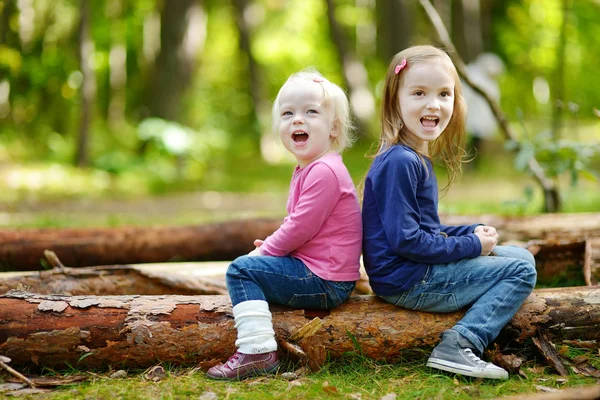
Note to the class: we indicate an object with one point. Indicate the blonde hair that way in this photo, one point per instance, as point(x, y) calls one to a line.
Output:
point(334, 98)
point(449, 148)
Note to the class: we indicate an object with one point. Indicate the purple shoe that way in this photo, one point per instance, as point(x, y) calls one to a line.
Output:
point(241, 366)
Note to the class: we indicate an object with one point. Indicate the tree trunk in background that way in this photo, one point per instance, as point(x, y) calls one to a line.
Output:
point(23, 249)
point(140, 331)
point(117, 62)
point(175, 64)
point(457, 29)
point(355, 75)
point(394, 27)
point(88, 85)
point(7, 11)
point(559, 102)
point(488, 8)
point(253, 73)
point(472, 28)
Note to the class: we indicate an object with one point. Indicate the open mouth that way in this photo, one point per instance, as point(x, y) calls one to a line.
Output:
point(430, 122)
point(300, 137)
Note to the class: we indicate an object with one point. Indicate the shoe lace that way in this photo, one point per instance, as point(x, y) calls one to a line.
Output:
point(473, 357)
point(233, 359)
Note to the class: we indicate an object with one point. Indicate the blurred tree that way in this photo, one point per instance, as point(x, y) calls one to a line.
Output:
point(88, 83)
point(355, 74)
point(242, 17)
point(395, 28)
point(176, 61)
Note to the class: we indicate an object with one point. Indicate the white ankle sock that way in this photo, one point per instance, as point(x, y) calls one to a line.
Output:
point(254, 326)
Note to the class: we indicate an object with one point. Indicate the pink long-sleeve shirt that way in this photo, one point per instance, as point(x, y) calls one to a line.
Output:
point(323, 227)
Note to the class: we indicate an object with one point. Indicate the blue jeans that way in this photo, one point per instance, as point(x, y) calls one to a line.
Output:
point(283, 280)
point(494, 287)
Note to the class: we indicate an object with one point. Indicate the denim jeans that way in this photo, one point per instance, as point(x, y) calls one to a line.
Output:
point(493, 286)
point(283, 280)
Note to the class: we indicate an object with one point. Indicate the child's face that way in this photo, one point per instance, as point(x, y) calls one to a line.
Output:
point(426, 102)
point(305, 124)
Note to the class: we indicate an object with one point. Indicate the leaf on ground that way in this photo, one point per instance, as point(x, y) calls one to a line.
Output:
point(328, 388)
point(120, 374)
point(7, 387)
point(209, 396)
point(27, 392)
point(538, 369)
point(155, 373)
point(546, 389)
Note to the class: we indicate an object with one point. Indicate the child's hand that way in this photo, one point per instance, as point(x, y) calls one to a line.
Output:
point(487, 242)
point(256, 251)
point(487, 231)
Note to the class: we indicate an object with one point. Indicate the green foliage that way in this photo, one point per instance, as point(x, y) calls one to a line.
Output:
point(557, 157)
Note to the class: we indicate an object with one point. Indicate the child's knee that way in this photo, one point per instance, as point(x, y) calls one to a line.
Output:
point(528, 273)
point(238, 266)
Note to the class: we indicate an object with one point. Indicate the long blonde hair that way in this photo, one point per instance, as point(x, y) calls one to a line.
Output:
point(448, 148)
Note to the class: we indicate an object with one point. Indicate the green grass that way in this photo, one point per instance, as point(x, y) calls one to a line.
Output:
point(352, 377)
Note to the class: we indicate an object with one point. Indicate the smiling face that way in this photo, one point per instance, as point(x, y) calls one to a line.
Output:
point(426, 102)
point(305, 123)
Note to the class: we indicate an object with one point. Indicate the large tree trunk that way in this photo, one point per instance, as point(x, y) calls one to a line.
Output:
point(139, 331)
point(23, 249)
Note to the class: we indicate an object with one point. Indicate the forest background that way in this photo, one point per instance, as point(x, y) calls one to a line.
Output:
point(106, 103)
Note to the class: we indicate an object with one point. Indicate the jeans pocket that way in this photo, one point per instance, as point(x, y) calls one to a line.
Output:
point(436, 302)
point(315, 301)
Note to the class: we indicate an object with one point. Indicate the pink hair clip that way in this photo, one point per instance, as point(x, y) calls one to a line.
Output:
point(400, 66)
point(318, 80)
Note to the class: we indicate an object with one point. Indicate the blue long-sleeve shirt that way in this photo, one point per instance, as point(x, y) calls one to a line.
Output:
point(401, 227)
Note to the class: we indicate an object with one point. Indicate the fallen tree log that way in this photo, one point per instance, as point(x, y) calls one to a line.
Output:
point(543, 227)
point(140, 331)
point(559, 263)
point(22, 249)
point(202, 278)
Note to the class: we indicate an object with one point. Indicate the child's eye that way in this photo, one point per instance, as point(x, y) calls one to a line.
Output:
point(445, 94)
point(419, 93)
point(286, 113)
point(312, 111)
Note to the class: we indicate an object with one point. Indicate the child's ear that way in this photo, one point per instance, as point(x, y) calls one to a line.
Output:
point(335, 129)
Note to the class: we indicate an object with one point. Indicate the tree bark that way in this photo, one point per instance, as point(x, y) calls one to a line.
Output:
point(139, 331)
point(22, 249)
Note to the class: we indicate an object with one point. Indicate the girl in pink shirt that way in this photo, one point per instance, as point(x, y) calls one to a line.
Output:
point(312, 260)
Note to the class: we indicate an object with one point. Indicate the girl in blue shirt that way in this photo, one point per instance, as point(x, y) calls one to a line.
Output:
point(413, 260)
